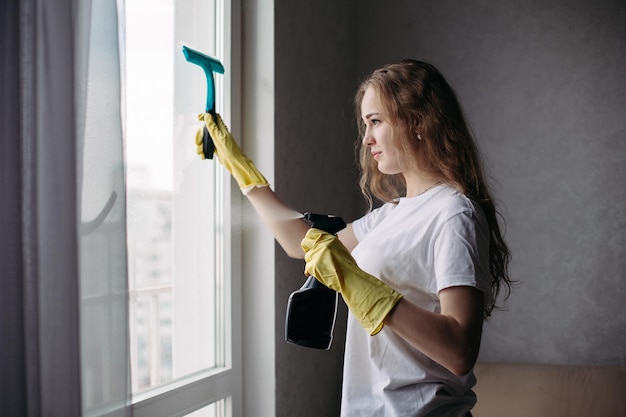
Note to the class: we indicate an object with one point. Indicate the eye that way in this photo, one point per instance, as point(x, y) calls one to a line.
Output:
point(375, 121)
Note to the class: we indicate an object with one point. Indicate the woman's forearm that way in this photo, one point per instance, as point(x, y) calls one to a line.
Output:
point(450, 338)
point(286, 224)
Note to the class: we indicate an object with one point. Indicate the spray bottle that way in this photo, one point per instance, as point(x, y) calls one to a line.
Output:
point(311, 310)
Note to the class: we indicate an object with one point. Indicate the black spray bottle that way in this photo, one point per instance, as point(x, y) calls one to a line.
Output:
point(312, 309)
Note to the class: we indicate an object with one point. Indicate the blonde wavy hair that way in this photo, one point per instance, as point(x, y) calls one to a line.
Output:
point(416, 97)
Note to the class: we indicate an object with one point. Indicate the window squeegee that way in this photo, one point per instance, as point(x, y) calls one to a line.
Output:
point(209, 65)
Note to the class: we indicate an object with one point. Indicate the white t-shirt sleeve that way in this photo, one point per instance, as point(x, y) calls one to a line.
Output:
point(462, 253)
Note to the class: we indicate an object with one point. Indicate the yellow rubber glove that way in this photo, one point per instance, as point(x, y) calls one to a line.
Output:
point(230, 155)
point(368, 298)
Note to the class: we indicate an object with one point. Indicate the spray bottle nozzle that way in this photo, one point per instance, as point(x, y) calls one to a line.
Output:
point(326, 222)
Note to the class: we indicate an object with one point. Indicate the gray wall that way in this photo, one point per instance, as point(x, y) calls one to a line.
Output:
point(315, 67)
point(543, 86)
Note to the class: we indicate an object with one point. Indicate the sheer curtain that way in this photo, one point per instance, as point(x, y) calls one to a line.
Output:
point(63, 322)
point(102, 233)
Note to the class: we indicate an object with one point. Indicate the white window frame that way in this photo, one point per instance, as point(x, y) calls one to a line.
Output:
point(188, 394)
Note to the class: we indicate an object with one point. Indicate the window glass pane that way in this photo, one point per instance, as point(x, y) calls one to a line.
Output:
point(217, 409)
point(175, 226)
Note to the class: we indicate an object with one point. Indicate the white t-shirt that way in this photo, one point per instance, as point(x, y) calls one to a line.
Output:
point(418, 247)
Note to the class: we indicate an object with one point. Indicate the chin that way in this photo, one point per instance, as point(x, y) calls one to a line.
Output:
point(387, 170)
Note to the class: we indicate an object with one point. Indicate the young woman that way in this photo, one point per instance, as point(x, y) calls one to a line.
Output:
point(421, 272)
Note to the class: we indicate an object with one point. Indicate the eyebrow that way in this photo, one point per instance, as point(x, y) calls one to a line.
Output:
point(371, 114)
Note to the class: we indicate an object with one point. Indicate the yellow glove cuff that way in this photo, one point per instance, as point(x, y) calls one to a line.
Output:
point(373, 307)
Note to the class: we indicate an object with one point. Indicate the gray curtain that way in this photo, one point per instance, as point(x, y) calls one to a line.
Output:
point(63, 303)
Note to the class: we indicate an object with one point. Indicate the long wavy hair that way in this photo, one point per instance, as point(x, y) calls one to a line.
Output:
point(416, 97)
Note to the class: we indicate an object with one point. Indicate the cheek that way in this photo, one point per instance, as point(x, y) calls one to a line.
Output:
point(393, 152)
point(391, 144)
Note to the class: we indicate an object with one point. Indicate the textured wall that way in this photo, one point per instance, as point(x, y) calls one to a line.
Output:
point(543, 85)
point(315, 67)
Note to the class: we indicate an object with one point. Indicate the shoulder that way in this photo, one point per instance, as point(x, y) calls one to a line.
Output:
point(455, 213)
point(460, 218)
point(450, 202)
point(450, 199)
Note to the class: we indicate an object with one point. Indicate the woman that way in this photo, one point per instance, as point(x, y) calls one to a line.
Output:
point(421, 272)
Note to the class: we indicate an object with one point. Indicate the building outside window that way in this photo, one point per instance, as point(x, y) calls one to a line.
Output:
point(179, 237)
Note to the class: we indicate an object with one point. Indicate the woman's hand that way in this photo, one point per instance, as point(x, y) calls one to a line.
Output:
point(229, 154)
point(369, 299)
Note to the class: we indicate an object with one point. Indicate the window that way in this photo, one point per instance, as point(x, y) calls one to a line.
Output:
point(179, 237)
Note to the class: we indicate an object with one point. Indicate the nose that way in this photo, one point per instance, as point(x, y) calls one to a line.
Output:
point(368, 139)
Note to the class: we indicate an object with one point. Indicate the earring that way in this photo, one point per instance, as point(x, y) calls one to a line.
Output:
point(419, 137)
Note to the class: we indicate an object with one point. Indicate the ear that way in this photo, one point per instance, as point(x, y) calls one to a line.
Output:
point(416, 125)
point(417, 129)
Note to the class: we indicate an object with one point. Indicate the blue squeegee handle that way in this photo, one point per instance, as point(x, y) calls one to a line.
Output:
point(208, 147)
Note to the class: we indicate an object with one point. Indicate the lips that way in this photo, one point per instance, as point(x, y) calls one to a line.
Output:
point(376, 155)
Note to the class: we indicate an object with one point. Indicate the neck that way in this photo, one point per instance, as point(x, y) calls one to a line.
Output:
point(420, 184)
